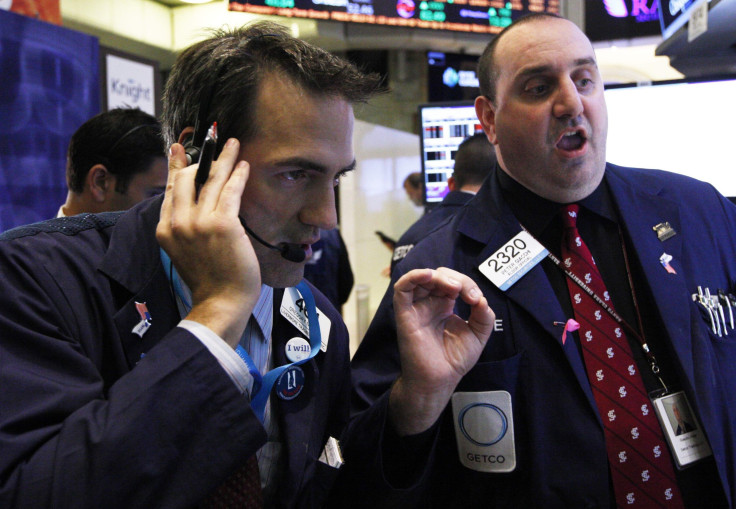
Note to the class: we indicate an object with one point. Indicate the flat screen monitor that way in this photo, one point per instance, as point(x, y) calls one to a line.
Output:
point(684, 126)
point(443, 126)
point(474, 16)
point(452, 77)
point(621, 19)
point(674, 14)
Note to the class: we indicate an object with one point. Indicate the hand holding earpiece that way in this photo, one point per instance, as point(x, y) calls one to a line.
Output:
point(206, 242)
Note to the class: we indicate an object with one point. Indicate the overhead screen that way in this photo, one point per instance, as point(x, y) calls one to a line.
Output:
point(680, 126)
point(477, 16)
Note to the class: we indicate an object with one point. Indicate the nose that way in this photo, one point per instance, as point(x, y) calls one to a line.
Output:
point(319, 209)
point(567, 101)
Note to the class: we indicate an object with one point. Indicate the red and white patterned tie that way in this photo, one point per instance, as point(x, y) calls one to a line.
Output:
point(242, 490)
point(640, 461)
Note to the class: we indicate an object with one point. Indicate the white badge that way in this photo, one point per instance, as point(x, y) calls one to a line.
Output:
point(484, 430)
point(514, 259)
point(294, 310)
point(297, 348)
point(684, 434)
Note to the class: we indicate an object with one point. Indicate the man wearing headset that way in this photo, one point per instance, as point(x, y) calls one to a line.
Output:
point(163, 357)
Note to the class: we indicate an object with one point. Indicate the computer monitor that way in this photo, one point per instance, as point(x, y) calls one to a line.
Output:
point(684, 126)
point(443, 126)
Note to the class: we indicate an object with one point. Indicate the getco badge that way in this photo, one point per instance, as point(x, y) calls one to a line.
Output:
point(484, 430)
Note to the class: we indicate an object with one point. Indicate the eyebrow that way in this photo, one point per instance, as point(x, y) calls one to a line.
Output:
point(306, 164)
point(541, 69)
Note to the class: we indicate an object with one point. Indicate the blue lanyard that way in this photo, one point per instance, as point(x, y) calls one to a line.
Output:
point(262, 385)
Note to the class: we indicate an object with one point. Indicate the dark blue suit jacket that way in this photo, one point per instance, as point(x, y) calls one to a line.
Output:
point(92, 415)
point(561, 456)
point(428, 223)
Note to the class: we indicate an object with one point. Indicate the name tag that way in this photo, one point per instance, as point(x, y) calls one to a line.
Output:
point(682, 429)
point(514, 259)
point(294, 310)
point(484, 430)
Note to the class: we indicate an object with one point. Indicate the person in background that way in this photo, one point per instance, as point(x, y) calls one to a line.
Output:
point(606, 285)
point(474, 160)
point(115, 160)
point(164, 356)
point(329, 267)
point(414, 188)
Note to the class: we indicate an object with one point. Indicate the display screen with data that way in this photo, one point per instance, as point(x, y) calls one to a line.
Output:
point(443, 128)
point(478, 16)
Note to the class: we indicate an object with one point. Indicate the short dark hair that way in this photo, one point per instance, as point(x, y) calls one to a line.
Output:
point(226, 71)
point(414, 180)
point(474, 160)
point(487, 72)
point(124, 140)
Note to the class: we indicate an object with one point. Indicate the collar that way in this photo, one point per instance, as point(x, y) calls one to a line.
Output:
point(537, 213)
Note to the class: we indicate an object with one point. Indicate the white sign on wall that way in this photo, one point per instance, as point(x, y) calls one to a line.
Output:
point(130, 84)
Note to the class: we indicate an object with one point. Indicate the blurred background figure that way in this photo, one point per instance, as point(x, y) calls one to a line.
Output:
point(329, 268)
point(474, 161)
point(414, 189)
point(115, 160)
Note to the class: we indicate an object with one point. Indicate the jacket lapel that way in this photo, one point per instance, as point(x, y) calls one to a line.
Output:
point(133, 264)
point(640, 210)
point(533, 292)
point(294, 415)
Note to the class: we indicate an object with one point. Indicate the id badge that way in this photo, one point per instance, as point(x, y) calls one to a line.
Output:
point(685, 437)
point(484, 430)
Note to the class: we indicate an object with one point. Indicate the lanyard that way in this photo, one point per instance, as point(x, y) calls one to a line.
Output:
point(262, 385)
point(653, 365)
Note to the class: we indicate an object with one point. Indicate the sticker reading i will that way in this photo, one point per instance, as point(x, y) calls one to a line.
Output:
point(514, 259)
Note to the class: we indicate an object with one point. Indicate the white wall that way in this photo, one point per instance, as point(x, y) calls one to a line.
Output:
point(373, 198)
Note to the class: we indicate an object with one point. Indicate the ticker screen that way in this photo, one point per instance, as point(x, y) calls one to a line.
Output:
point(478, 16)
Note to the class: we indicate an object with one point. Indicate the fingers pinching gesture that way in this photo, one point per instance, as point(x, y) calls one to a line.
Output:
point(437, 348)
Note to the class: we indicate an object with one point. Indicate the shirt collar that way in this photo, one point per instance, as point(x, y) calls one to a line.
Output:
point(536, 213)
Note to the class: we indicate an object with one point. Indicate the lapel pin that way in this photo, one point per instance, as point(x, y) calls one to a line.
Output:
point(665, 260)
point(664, 231)
point(142, 327)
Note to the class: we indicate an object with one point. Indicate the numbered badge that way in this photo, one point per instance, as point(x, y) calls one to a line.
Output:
point(514, 259)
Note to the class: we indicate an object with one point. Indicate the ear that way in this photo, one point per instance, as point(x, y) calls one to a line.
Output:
point(100, 183)
point(451, 183)
point(486, 113)
point(187, 133)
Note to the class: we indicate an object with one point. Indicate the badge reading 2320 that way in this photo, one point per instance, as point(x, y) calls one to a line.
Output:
point(503, 256)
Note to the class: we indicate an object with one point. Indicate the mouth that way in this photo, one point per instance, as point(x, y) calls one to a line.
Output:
point(572, 142)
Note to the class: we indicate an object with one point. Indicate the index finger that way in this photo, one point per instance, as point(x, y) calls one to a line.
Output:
point(177, 162)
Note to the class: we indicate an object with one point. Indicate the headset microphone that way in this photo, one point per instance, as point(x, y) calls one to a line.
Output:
point(292, 252)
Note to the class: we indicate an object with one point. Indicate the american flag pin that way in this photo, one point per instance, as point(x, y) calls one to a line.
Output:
point(665, 260)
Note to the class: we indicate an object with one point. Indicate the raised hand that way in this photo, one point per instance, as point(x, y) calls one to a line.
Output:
point(436, 347)
point(207, 244)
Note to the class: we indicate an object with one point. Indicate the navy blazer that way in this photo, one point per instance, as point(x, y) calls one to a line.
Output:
point(561, 456)
point(92, 415)
point(428, 223)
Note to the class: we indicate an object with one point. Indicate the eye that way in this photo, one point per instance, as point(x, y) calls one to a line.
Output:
point(536, 88)
point(294, 175)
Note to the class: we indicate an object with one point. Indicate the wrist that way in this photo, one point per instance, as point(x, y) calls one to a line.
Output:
point(414, 409)
point(225, 317)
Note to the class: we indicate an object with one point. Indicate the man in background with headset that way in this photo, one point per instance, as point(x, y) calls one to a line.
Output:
point(134, 365)
point(115, 160)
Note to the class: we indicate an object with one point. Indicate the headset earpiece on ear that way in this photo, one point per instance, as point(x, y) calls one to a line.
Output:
point(191, 150)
